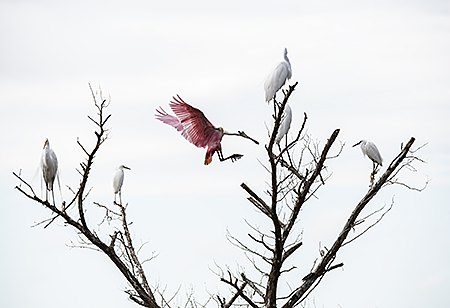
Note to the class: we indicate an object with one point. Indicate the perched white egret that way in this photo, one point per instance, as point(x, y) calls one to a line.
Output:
point(278, 77)
point(118, 181)
point(49, 166)
point(370, 149)
point(285, 124)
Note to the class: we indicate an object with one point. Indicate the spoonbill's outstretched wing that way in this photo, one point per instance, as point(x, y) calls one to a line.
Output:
point(191, 122)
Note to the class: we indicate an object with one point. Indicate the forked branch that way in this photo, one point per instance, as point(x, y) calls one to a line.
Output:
point(325, 263)
point(141, 292)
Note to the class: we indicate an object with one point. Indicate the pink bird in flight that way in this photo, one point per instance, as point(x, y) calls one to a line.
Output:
point(197, 129)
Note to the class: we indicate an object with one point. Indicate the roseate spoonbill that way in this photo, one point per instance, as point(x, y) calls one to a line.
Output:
point(197, 129)
point(278, 77)
point(49, 166)
point(285, 124)
point(118, 181)
point(370, 149)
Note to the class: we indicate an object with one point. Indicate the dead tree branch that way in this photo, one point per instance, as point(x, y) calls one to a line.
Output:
point(141, 292)
point(321, 268)
point(292, 183)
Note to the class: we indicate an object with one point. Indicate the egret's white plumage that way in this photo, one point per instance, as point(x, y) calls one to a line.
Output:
point(285, 124)
point(278, 77)
point(49, 166)
point(118, 182)
point(370, 149)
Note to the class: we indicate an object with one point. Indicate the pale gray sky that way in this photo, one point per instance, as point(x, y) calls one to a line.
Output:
point(378, 71)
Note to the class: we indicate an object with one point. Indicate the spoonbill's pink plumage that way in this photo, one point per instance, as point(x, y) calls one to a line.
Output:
point(197, 129)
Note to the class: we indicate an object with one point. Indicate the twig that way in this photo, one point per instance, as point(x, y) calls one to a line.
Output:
point(29, 186)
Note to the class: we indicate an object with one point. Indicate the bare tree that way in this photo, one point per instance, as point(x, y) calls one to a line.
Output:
point(119, 247)
point(294, 179)
point(292, 183)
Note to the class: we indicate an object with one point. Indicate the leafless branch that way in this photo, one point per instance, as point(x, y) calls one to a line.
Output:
point(19, 188)
point(252, 285)
point(88, 238)
point(244, 247)
point(369, 227)
point(321, 268)
point(239, 290)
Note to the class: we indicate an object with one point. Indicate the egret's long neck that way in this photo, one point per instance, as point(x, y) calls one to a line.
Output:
point(289, 66)
point(46, 156)
point(286, 58)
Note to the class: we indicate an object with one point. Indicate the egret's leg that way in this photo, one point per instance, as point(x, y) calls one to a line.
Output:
point(120, 197)
point(53, 195)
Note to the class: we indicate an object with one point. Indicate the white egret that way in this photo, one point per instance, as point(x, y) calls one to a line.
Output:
point(277, 77)
point(285, 124)
point(118, 181)
point(49, 166)
point(370, 149)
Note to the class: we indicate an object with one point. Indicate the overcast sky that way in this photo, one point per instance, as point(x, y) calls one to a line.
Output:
point(376, 70)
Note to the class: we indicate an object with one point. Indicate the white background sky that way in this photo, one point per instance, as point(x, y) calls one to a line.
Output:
point(378, 71)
